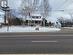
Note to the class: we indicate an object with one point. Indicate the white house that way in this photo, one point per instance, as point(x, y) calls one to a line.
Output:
point(34, 19)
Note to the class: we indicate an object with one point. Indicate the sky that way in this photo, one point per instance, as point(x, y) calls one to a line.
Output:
point(56, 6)
point(14, 4)
point(66, 5)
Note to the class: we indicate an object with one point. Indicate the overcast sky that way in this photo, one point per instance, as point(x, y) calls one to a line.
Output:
point(66, 5)
point(55, 4)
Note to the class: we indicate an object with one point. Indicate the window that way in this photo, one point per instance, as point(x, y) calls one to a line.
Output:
point(33, 16)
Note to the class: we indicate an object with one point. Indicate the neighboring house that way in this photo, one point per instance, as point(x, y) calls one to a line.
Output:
point(65, 22)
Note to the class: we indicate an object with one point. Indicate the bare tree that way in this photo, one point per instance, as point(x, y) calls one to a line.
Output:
point(26, 9)
point(45, 8)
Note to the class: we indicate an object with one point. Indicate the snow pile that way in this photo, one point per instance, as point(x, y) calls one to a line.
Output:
point(1, 20)
point(28, 29)
point(1, 16)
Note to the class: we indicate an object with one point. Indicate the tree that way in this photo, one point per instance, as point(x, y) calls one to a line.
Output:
point(26, 9)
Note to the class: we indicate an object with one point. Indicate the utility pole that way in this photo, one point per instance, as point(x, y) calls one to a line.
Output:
point(35, 7)
point(27, 9)
point(45, 10)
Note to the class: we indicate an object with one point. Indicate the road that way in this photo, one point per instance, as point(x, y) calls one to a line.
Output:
point(36, 43)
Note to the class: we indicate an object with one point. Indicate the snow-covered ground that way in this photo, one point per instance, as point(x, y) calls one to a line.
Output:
point(28, 29)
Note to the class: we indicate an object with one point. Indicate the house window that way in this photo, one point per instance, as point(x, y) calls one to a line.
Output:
point(33, 16)
point(37, 17)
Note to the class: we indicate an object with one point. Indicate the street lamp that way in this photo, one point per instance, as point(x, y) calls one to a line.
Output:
point(5, 8)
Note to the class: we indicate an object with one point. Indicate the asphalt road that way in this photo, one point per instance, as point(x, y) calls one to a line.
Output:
point(36, 43)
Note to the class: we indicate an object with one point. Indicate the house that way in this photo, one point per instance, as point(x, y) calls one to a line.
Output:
point(34, 19)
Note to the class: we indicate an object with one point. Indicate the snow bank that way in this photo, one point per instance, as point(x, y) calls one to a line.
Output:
point(1, 20)
point(1, 16)
point(28, 29)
